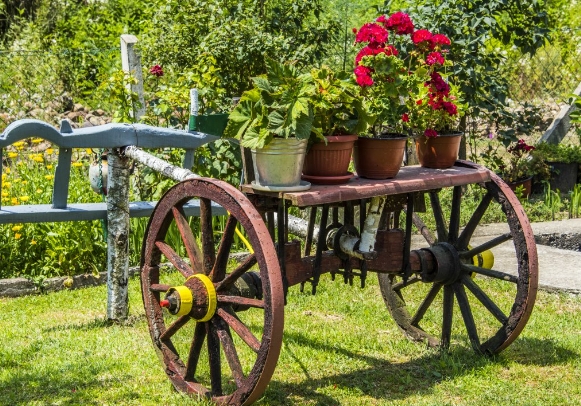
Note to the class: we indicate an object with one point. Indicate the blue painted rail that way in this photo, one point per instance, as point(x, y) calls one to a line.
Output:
point(106, 136)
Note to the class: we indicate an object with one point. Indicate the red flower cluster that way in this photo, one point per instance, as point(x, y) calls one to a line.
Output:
point(434, 58)
point(399, 22)
point(520, 148)
point(429, 133)
point(373, 33)
point(156, 70)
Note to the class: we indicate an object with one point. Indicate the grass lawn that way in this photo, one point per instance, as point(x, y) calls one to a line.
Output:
point(340, 348)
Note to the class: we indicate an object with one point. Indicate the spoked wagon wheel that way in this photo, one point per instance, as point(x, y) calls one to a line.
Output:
point(216, 325)
point(494, 299)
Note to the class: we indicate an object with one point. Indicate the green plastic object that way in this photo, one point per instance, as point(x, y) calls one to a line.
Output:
point(213, 124)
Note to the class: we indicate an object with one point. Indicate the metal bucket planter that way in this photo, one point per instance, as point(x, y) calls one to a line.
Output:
point(278, 166)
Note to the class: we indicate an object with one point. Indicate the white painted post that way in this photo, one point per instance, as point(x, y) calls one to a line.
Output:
point(131, 62)
point(118, 236)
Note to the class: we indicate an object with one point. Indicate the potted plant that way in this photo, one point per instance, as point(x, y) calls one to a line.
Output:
point(563, 164)
point(274, 120)
point(338, 116)
point(385, 77)
point(433, 107)
point(518, 171)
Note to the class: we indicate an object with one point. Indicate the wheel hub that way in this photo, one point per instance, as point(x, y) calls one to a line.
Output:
point(446, 264)
point(196, 298)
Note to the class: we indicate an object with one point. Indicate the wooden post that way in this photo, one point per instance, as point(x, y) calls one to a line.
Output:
point(118, 236)
point(131, 62)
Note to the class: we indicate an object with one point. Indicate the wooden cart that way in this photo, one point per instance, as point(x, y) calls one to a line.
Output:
point(218, 326)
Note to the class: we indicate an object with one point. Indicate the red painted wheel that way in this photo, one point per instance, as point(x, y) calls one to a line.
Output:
point(216, 325)
point(495, 299)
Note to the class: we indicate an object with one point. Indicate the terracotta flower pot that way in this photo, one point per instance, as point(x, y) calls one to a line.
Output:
point(329, 163)
point(379, 158)
point(526, 184)
point(440, 152)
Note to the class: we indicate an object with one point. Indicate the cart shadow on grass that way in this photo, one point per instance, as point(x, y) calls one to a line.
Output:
point(384, 380)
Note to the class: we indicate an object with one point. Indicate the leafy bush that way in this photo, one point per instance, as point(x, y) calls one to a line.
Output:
point(238, 35)
point(42, 250)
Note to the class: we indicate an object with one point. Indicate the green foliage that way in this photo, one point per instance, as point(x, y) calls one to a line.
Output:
point(278, 105)
point(575, 201)
point(337, 105)
point(565, 153)
point(239, 34)
point(476, 28)
point(43, 250)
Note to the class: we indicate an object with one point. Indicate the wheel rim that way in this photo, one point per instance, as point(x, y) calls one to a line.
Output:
point(226, 347)
point(487, 311)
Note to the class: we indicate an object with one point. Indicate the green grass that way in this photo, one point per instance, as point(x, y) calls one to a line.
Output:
point(340, 348)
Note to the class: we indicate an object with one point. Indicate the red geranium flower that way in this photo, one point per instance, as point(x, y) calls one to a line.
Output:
point(435, 58)
point(421, 36)
point(430, 133)
point(372, 33)
point(156, 70)
point(440, 39)
point(405, 118)
point(363, 76)
point(399, 22)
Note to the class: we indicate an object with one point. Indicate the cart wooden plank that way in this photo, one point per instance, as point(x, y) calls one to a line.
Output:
point(409, 179)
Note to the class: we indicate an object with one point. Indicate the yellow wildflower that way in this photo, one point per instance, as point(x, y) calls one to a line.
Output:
point(17, 236)
point(38, 191)
point(24, 198)
point(38, 159)
point(17, 180)
point(5, 194)
point(77, 164)
point(7, 170)
point(49, 151)
point(4, 176)
point(89, 151)
point(6, 185)
point(17, 227)
point(12, 154)
point(14, 201)
point(19, 144)
point(36, 140)
point(33, 242)
point(49, 167)
point(48, 177)
point(25, 182)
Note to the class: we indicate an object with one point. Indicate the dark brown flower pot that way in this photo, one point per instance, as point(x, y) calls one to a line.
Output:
point(329, 163)
point(379, 158)
point(440, 152)
point(527, 185)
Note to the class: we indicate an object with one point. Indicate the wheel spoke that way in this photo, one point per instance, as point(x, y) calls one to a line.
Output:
point(229, 350)
point(486, 246)
point(230, 278)
point(490, 272)
point(467, 315)
point(219, 269)
point(425, 304)
point(240, 328)
point(214, 359)
point(400, 285)
point(188, 239)
point(438, 216)
point(174, 327)
point(424, 230)
point(207, 230)
point(158, 287)
point(241, 301)
point(182, 266)
point(455, 215)
point(484, 299)
point(447, 312)
point(466, 234)
point(195, 350)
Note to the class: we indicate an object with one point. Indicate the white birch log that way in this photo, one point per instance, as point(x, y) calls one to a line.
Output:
point(159, 165)
point(117, 236)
